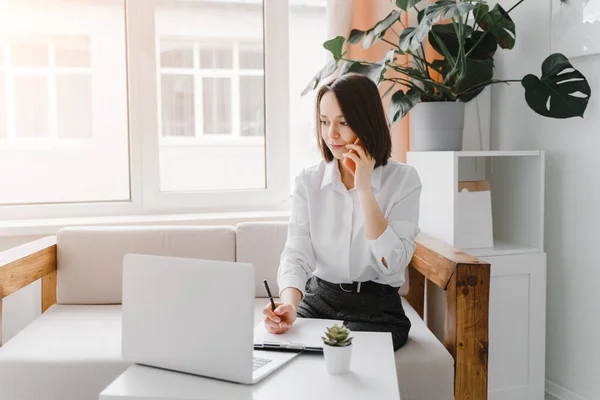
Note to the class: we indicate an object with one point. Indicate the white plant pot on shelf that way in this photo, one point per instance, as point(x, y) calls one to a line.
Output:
point(437, 126)
point(337, 359)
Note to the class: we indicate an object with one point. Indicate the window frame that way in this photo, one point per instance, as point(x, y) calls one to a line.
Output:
point(144, 172)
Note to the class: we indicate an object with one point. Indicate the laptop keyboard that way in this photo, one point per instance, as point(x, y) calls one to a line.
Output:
point(259, 362)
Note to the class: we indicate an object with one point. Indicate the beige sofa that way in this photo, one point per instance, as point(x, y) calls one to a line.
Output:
point(73, 350)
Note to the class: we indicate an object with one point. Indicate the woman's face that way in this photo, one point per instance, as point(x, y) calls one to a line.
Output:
point(334, 130)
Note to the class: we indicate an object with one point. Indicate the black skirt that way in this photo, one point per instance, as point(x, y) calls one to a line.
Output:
point(375, 308)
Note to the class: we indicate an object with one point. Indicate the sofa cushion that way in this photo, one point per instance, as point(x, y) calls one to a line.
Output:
point(425, 368)
point(90, 259)
point(69, 352)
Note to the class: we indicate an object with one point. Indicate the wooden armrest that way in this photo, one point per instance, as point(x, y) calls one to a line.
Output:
point(25, 264)
point(437, 260)
point(466, 281)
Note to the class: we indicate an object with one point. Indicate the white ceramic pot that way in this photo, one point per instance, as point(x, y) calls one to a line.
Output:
point(437, 126)
point(337, 359)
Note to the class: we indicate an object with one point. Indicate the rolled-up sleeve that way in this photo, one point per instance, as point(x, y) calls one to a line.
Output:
point(297, 259)
point(397, 243)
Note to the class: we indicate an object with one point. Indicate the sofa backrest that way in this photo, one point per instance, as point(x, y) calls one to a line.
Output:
point(261, 243)
point(90, 259)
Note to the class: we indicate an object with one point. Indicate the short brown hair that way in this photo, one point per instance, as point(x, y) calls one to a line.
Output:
point(361, 105)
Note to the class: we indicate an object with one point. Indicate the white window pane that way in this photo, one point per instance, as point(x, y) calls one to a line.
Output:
point(308, 31)
point(219, 158)
point(176, 54)
point(252, 106)
point(177, 103)
point(251, 56)
point(31, 106)
point(72, 51)
point(74, 106)
point(30, 53)
point(63, 162)
point(216, 105)
point(216, 55)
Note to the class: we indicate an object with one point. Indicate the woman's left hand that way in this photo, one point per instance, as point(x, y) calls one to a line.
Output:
point(364, 166)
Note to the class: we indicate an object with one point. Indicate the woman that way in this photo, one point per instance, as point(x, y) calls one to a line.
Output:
point(351, 232)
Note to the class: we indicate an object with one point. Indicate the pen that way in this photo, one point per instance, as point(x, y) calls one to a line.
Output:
point(270, 297)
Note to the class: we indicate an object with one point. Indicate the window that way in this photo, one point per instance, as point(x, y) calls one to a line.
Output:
point(129, 107)
point(212, 98)
point(63, 106)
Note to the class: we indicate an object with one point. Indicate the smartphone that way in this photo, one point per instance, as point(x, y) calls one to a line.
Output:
point(349, 163)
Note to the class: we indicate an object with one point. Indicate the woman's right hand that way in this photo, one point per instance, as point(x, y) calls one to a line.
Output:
point(284, 314)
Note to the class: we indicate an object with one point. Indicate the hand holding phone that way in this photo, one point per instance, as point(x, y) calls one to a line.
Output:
point(349, 163)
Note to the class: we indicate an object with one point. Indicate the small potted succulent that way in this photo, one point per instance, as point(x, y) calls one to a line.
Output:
point(337, 349)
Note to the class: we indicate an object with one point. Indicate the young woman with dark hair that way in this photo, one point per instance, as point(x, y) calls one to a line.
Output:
point(354, 220)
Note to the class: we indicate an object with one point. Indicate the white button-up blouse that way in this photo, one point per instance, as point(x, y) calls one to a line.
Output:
point(326, 234)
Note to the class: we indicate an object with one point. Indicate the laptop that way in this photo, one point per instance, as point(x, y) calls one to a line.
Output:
point(194, 316)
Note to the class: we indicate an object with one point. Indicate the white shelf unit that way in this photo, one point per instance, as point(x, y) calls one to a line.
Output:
point(516, 363)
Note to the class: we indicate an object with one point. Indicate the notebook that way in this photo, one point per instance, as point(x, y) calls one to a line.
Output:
point(304, 335)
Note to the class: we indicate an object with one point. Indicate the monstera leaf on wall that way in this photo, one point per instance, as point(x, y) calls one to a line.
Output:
point(561, 92)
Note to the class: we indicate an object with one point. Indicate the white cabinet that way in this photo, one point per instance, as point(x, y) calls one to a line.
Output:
point(517, 320)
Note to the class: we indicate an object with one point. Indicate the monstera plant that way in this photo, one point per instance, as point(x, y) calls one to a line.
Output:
point(466, 34)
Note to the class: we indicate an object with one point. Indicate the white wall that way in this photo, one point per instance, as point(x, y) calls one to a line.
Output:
point(572, 198)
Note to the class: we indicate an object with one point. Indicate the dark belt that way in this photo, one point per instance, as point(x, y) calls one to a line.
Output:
point(368, 287)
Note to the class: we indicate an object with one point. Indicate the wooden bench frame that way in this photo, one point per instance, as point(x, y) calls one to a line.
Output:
point(465, 280)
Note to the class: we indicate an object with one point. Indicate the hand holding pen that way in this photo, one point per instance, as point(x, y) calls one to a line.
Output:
point(278, 317)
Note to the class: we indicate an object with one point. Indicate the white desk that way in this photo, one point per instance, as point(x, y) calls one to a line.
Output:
point(372, 376)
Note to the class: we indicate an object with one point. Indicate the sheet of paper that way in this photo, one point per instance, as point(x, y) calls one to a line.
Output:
point(307, 331)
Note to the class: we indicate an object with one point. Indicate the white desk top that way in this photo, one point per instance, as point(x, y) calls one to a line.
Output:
point(372, 376)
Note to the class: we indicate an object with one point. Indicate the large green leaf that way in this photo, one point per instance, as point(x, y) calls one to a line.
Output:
point(441, 66)
point(420, 16)
point(476, 72)
point(502, 26)
point(335, 46)
point(447, 34)
point(443, 9)
point(382, 26)
point(387, 60)
point(485, 49)
point(401, 104)
point(355, 36)
point(406, 4)
point(561, 92)
point(371, 70)
point(411, 38)
point(326, 71)
point(375, 34)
